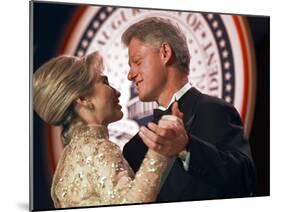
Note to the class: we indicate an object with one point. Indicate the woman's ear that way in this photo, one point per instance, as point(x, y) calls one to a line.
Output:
point(84, 102)
point(80, 101)
point(166, 52)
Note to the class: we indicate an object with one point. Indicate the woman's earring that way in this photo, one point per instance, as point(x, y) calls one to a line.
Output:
point(90, 105)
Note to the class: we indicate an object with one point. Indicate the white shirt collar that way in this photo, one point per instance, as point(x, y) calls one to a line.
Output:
point(177, 95)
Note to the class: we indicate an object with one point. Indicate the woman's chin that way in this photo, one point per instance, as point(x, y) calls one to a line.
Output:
point(118, 115)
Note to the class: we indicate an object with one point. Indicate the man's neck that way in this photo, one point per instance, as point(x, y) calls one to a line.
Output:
point(173, 85)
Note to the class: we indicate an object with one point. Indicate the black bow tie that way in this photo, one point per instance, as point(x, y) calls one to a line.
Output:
point(157, 113)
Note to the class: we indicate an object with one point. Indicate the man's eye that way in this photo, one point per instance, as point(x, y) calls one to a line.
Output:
point(138, 62)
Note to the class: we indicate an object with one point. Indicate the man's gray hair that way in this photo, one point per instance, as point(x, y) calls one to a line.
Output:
point(154, 31)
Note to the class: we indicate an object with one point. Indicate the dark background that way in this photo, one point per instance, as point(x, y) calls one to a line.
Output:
point(50, 22)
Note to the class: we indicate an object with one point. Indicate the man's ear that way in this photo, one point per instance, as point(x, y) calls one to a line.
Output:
point(166, 53)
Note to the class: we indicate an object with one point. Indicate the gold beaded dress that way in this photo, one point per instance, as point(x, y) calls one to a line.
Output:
point(93, 171)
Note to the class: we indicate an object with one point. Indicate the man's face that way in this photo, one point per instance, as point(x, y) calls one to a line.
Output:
point(147, 70)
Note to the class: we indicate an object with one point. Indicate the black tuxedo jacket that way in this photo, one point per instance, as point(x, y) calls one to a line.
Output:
point(220, 165)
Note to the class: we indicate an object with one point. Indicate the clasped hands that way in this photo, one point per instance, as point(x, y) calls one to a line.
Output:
point(168, 137)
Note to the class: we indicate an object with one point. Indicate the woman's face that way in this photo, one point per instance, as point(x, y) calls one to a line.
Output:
point(106, 102)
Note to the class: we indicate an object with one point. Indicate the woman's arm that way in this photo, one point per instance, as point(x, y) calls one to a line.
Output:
point(96, 173)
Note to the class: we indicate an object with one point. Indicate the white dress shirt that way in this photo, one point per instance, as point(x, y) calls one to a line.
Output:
point(176, 96)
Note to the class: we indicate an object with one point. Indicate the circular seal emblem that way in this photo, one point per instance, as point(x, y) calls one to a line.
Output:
point(222, 60)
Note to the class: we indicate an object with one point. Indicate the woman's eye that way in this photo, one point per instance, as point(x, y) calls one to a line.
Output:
point(106, 82)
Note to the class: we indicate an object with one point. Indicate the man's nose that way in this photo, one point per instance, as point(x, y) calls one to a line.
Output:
point(132, 74)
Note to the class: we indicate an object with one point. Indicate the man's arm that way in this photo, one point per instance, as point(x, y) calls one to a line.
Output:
point(219, 153)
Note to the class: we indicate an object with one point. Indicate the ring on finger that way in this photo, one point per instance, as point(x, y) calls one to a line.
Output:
point(159, 146)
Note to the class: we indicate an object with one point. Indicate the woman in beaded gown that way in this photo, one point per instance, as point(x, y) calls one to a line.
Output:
point(72, 92)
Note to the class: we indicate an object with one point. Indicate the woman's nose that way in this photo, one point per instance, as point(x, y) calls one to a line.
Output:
point(118, 94)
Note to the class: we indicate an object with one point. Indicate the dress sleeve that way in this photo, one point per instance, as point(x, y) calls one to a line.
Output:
point(96, 173)
point(119, 184)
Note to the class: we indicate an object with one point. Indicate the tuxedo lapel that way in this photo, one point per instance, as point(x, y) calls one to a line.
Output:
point(187, 105)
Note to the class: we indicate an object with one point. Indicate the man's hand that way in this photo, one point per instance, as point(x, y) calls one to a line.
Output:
point(168, 137)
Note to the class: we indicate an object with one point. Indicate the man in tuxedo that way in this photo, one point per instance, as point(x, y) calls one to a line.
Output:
point(204, 134)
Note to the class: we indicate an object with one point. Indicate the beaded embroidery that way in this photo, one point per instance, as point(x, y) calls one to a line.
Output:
point(93, 171)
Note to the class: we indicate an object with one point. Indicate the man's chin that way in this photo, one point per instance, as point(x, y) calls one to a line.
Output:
point(144, 98)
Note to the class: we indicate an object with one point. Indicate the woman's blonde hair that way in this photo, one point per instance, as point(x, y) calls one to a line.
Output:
point(58, 82)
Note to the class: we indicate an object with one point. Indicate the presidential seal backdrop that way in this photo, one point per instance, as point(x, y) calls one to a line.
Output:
point(222, 61)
